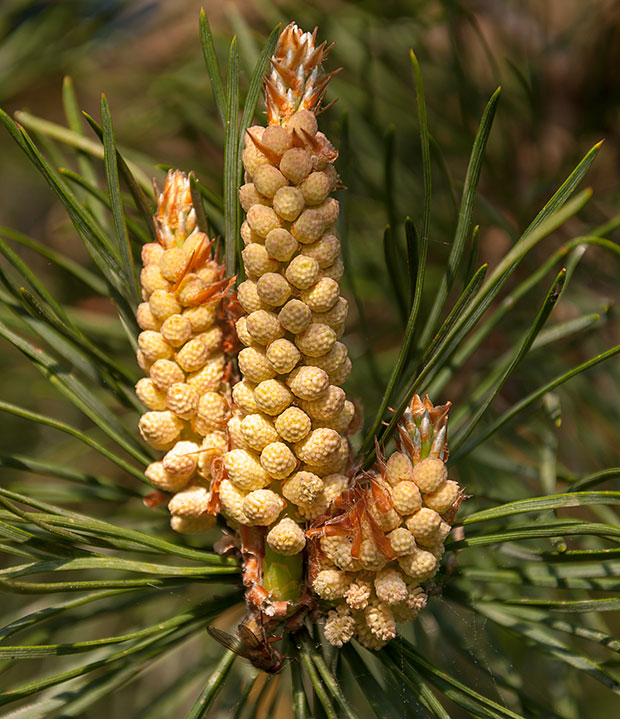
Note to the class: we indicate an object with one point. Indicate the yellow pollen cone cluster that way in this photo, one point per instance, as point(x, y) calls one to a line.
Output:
point(386, 536)
point(182, 350)
point(290, 413)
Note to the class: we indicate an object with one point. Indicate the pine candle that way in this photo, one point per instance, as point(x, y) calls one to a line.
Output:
point(291, 415)
point(184, 321)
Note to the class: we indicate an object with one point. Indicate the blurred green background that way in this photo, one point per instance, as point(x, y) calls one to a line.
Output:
point(557, 62)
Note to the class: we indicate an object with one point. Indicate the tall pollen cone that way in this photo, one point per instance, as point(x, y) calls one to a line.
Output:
point(183, 349)
point(289, 426)
point(385, 536)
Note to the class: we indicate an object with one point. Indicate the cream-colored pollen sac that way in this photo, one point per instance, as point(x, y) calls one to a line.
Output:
point(161, 479)
point(315, 188)
point(370, 556)
point(165, 373)
point(209, 377)
point(150, 395)
point(331, 584)
point(235, 435)
point(302, 122)
point(330, 361)
point(327, 406)
point(358, 593)
point(283, 355)
point(231, 498)
point(262, 220)
point(192, 356)
point(243, 396)
point(424, 525)
point(281, 245)
point(318, 446)
point(420, 564)
point(342, 421)
point(264, 327)
point(286, 537)
point(201, 317)
point(244, 470)
point(212, 339)
point(213, 410)
point(399, 468)
point(277, 139)
point(302, 488)
point(241, 329)
point(329, 210)
point(314, 509)
point(387, 521)
point(145, 318)
point(335, 270)
point(308, 227)
point(255, 258)
point(339, 376)
point(273, 289)
point(248, 297)
point(390, 586)
point(316, 340)
point(160, 429)
point(252, 156)
point(151, 253)
point(172, 263)
point(406, 497)
point(429, 474)
point(338, 550)
point(295, 316)
point(258, 431)
point(176, 330)
point(163, 304)
point(190, 502)
point(154, 346)
point(335, 485)
point(278, 460)
point(182, 399)
point(336, 314)
point(308, 382)
point(402, 541)
point(248, 235)
point(192, 525)
point(296, 164)
point(262, 507)
point(322, 295)
point(182, 459)
point(268, 180)
point(339, 626)
point(143, 363)
point(380, 621)
point(249, 195)
point(288, 203)
point(293, 424)
point(151, 279)
point(272, 396)
point(442, 499)
point(254, 365)
point(302, 271)
point(325, 250)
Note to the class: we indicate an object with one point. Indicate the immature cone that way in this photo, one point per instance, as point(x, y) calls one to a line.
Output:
point(183, 349)
point(291, 412)
point(384, 538)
